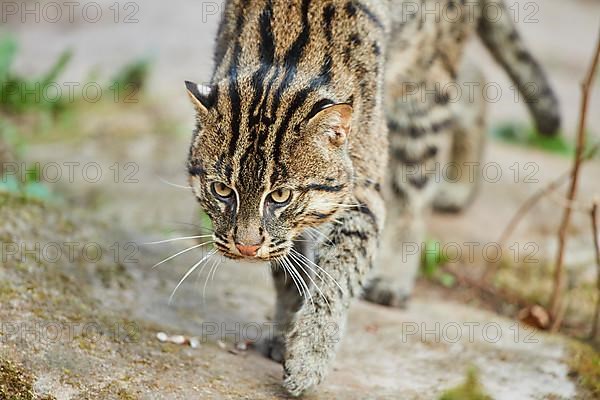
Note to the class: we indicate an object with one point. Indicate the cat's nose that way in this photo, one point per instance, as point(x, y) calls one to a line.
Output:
point(248, 250)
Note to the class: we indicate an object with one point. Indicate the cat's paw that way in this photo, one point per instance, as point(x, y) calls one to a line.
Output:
point(386, 293)
point(454, 197)
point(300, 373)
point(309, 350)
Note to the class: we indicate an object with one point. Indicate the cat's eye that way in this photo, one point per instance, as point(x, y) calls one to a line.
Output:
point(280, 196)
point(221, 190)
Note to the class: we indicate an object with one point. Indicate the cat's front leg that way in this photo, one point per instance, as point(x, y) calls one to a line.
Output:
point(311, 345)
point(339, 271)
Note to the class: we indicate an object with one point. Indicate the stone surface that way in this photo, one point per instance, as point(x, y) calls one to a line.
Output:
point(387, 354)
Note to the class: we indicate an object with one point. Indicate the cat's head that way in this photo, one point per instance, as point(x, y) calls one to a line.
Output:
point(264, 177)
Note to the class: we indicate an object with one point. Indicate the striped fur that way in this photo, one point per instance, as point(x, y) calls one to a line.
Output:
point(296, 102)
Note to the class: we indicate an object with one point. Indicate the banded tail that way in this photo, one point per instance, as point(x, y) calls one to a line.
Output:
point(504, 42)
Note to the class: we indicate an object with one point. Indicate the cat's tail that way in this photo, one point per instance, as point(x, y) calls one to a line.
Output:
point(498, 33)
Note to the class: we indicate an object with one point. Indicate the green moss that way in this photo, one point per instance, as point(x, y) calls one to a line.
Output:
point(7, 292)
point(584, 365)
point(125, 395)
point(16, 383)
point(13, 200)
point(470, 390)
point(112, 390)
point(113, 273)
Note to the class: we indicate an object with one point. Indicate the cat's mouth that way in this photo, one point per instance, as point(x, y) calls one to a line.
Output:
point(238, 257)
point(259, 253)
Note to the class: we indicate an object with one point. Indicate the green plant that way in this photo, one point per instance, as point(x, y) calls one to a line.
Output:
point(529, 137)
point(30, 189)
point(432, 259)
point(19, 94)
point(471, 389)
point(131, 79)
point(8, 49)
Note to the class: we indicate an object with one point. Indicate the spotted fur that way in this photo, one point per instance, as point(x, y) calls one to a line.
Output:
point(296, 103)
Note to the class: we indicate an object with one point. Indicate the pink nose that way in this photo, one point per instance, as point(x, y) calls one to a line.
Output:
point(249, 251)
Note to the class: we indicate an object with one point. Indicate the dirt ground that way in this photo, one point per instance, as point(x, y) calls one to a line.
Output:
point(109, 309)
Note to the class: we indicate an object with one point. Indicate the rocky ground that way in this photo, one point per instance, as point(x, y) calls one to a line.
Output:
point(83, 323)
point(86, 326)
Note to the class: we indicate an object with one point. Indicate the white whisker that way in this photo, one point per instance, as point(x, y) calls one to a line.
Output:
point(216, 269)
point(212, 278)
point(312, 241)
point(200, 276)
point(190, 271)
point(317, 233)
point(180, 238)
point(196, 226)
point(302, 283)
point(293, 276)
point(202, 269)
point(173, 184)
point(212, 268)
point(301, 263)
point(281, 261)
point(319, 267)
point(342, 205)
point(181, 252)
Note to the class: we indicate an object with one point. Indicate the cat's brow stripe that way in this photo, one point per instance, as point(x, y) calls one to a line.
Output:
point(196, 170)
point(323, 188)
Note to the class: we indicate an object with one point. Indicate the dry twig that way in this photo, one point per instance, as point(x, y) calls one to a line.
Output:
point(594, 216)
point(529, 204)
point(558, 286)
point(504, 294)
point(526, 207)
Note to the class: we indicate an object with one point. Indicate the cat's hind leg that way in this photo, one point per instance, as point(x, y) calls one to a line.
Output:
point(398, 260)
point(419, 131)
point(462, 175)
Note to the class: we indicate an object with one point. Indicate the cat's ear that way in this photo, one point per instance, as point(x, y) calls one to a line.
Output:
point(335, 120)
point(202, 96)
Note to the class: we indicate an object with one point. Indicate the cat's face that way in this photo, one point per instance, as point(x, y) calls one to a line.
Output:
point(263, 179)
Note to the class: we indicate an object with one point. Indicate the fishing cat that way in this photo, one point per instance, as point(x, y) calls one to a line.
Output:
point(290, 155)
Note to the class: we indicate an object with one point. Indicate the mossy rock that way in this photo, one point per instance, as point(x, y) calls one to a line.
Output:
point(584, 364)
point(16, 383)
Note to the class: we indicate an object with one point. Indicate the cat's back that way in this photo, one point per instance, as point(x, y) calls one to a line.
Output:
point(301, 32)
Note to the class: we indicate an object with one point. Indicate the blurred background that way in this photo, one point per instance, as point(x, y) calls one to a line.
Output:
point(94, 130)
